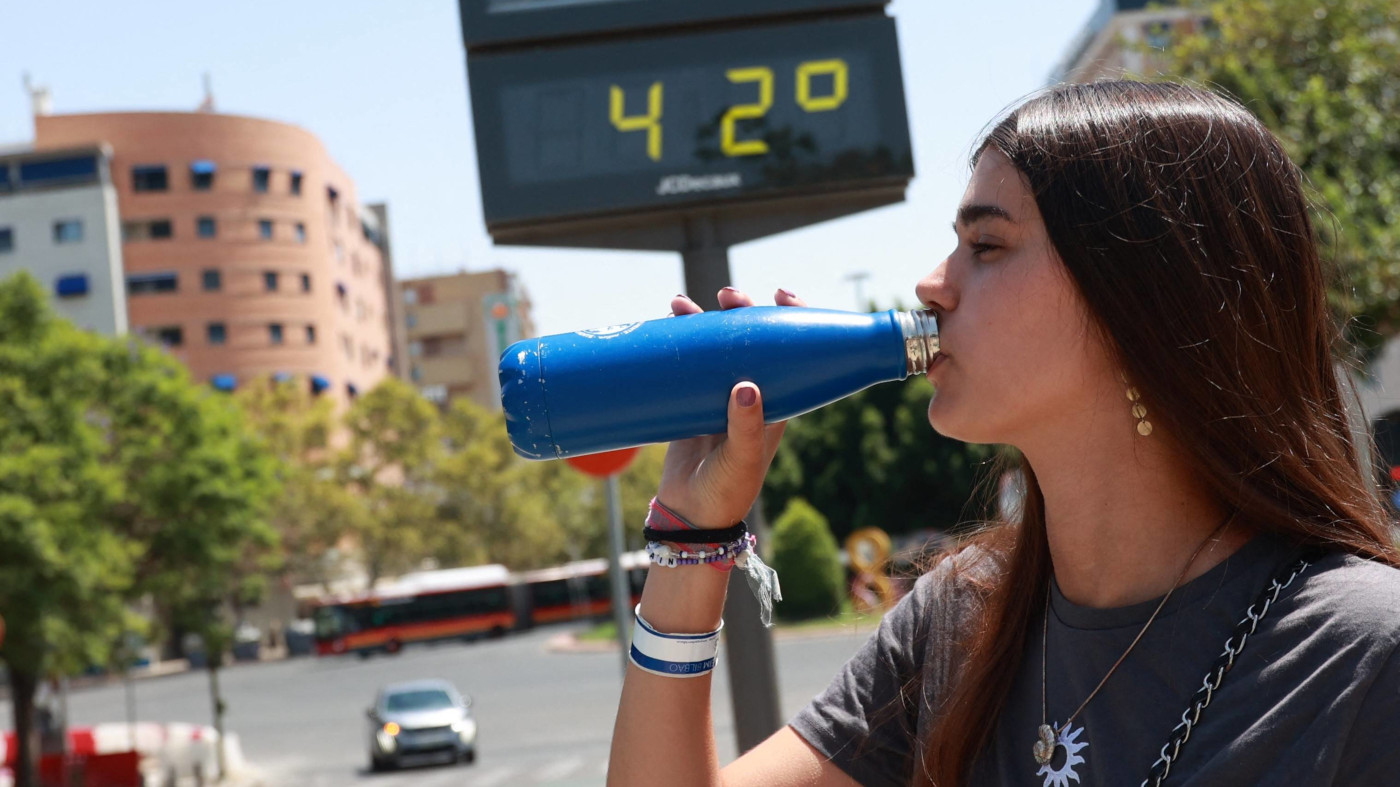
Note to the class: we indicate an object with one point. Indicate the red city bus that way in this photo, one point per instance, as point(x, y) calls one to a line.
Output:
point(578, 590)
point(418, 607)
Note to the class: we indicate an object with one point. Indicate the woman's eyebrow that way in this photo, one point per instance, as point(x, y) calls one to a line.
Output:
point(967, 214)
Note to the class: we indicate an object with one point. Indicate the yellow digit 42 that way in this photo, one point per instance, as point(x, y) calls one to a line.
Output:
point(749, 147)
point(650, 122)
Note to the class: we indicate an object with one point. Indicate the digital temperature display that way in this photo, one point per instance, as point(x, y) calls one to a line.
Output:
point(677, 120)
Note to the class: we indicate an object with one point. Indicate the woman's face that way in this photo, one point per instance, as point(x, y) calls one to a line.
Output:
point(1019, 355)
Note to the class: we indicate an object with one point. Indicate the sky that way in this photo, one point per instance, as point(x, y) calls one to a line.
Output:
point(384, 86)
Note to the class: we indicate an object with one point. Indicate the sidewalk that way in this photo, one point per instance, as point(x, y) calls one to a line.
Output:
point(569, 641)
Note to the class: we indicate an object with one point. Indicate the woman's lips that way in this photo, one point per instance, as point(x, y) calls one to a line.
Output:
point(937, 362)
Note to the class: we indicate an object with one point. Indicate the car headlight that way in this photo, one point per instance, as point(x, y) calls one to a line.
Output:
point(465, 728)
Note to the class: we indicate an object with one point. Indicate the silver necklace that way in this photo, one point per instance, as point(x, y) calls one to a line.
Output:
point(1048, 737)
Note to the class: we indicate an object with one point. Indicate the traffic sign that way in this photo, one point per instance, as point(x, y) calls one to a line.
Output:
point(607, 463)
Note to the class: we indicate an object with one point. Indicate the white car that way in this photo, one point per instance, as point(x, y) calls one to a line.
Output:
point(420, 717)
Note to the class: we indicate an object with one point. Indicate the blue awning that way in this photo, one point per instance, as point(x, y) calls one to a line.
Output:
point(203, 167)
point(224, 382)
point(319, 383)
point(281, 377)
point(70, 286)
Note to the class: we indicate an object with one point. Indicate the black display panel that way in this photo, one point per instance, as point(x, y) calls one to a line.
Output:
point(686, 120)
point(496, 22)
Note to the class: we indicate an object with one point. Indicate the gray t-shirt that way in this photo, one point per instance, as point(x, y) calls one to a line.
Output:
point(1314, 699)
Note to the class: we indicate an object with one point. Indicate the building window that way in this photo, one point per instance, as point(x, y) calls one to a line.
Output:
point(270, 281)
point(301, 232)
point(306, 282)
point(68, 231)
point(265, 229)
point(410, 296)
point(351, 391)
point(213, 280)
point(415, 373)
point(169, 335)
point(310, 334)
point(410, 320)
point(206, 226)
point(274, 332)
point(7, 240)
point(333, 197)
point(71, 286)
point(202, 175)
point(415, 349)
point(218, 334)
point(262, 176)
point(157, 229)
point(150, 283)
point(296, 183)
point(149, 178)
point(62, 170)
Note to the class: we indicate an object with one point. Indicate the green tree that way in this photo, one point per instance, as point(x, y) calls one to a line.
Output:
point(314, 510)
point(1322, 75)
point(198, 483)
point(62, 580)
point(872, 460)
point(394, 447)
point(498, 507)
point(808, 563)
point(119, 478)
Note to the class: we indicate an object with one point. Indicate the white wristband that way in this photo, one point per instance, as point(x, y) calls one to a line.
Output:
point(673, 655)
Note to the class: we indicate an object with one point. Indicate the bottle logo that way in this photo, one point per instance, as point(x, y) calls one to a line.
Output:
point(608, 332)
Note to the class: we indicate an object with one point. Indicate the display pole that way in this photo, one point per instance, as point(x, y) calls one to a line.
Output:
point(621, 592)
point(748, 657)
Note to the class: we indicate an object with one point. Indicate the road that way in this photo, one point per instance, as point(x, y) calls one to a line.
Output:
point(545, 717)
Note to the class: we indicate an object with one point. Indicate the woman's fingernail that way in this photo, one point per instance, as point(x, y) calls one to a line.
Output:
point(747, 397)
point(682, 295)
point(728, 289)
point(788, 293)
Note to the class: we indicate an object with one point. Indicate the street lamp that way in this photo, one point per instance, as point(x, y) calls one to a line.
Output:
point(858, 278)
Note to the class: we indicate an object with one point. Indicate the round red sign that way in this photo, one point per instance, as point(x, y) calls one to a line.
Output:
point(604, 464)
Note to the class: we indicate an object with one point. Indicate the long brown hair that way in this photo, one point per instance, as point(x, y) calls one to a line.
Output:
point(1185, 227)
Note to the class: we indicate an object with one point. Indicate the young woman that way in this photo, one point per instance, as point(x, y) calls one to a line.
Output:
point(1200, 587)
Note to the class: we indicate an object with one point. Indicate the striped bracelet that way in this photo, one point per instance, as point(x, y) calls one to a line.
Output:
point(672, 655)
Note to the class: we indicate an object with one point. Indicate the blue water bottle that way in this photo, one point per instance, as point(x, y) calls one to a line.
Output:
point(669, 379)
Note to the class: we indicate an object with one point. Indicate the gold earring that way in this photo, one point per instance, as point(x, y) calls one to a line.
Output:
point(1144, 426)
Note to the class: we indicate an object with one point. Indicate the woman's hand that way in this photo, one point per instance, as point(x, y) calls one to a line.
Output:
point(713, 480)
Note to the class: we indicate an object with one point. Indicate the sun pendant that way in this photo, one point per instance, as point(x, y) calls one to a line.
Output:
point(1044, 748)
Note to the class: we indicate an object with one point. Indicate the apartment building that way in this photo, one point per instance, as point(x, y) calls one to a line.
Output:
point(457, 326)
point(245, 249)
point(59, 222)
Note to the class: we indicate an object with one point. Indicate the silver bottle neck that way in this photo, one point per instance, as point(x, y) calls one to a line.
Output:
point(920, 329)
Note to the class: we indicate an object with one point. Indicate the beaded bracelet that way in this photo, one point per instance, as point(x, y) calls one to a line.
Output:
point(662, 522)
point(664, 555)
point(762, 579)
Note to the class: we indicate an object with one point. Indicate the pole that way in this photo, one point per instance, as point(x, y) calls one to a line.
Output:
point(748, 656)
point(621, 592)
point(859, 278)
point(130, 704)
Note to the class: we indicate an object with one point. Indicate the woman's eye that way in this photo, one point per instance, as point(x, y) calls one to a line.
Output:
point(978, 249)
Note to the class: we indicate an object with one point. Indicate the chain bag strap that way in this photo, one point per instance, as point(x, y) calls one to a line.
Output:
point(1157, 774)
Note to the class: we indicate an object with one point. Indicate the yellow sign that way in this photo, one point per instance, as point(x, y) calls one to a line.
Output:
point(869, 550)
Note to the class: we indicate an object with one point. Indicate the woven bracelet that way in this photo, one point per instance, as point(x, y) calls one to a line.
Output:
point(721, 536)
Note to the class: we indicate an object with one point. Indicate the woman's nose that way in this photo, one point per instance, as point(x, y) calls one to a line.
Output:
point(936, 292)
